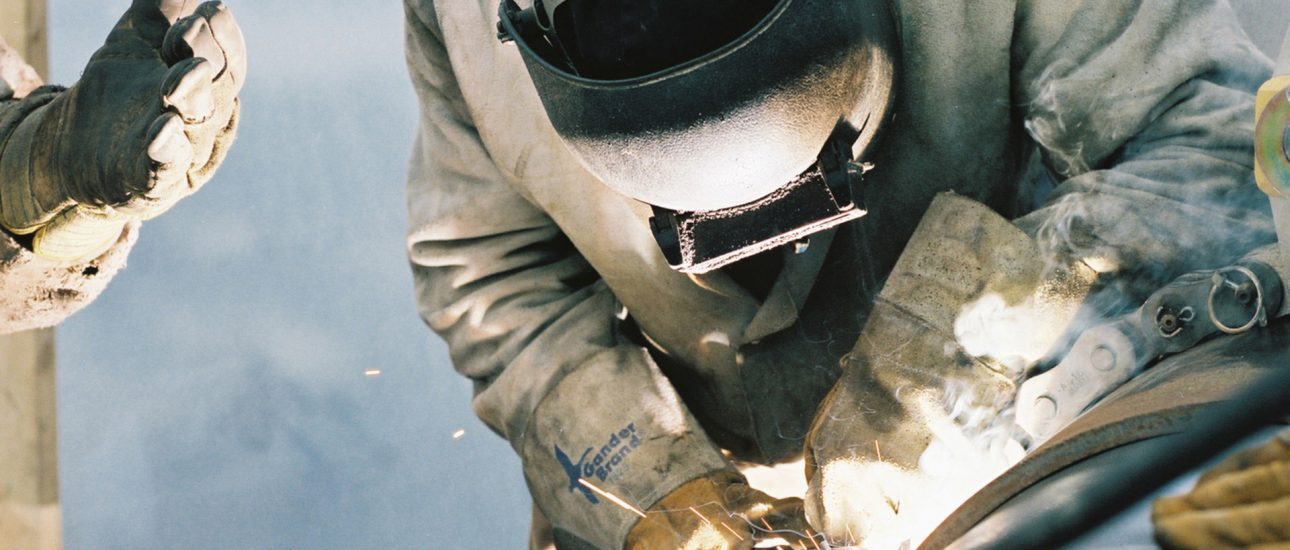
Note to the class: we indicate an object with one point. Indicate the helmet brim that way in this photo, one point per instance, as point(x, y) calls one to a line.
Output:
point(733, 125)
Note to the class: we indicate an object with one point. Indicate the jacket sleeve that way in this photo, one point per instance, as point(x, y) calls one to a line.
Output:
point(1143, 110)
point(35, 292)
point(532, 325)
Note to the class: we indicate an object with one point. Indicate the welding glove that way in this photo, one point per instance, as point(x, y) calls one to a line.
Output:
point(1243, 502)
point(917, 417)
point(149, 121)
point(718, 512)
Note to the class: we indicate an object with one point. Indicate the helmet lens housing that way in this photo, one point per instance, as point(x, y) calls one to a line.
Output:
point(619, 39)
point(732, 125)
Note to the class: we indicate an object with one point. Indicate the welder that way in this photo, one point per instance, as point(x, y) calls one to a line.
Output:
point(147, 124)
point(744, 232)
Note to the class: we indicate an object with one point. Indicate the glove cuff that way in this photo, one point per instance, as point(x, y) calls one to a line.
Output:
point(78, 234)
point(65, 231)
point(597, 454)
point(20, 210)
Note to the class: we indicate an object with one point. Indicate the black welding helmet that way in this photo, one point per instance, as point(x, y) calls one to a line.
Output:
point(737, 120)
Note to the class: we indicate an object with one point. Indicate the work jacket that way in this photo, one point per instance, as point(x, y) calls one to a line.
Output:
point(35, 292)
point(1118, 133)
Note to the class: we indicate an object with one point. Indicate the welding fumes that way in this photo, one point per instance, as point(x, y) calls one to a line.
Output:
point(544, 157)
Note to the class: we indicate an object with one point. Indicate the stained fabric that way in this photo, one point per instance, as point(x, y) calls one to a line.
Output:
point(35, 292)
point(524, 262)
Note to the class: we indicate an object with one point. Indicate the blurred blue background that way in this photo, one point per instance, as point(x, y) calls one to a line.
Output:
point(215, 396)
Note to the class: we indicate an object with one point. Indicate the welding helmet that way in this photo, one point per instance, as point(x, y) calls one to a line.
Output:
point(741, 122)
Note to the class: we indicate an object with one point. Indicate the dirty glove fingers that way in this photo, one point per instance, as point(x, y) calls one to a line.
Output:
point(1256, 484)
point(1254, 524)
point(1251, 475)
point(172, 9)
point(211, 139)
point(782, 519)
point(213, 33)
point(1243, 501)
point(189, 90)
point(228, 34)
point(167, 158)
point(1276, 450)
point(170, 153)
point(718, 512)
point(168, 149)
point(192, 37)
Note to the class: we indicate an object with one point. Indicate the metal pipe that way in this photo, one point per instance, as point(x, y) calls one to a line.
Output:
point(1146, 468)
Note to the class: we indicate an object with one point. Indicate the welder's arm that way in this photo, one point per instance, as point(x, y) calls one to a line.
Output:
point(1144, 112)
point(147, 124)
point(527, 319)
point(35, 292)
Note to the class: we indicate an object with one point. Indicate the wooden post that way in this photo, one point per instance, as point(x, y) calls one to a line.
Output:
point(22, 24)
point(30, 517)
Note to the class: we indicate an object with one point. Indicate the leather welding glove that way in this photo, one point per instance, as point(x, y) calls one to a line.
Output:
point(719, 512)
point(149, 121)
point(918, 419)
point(1244, 502)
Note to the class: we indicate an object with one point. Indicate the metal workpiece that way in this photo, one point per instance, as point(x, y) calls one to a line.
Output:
point(1212, 396)
point(1101, 359)
point(1196, 306)
point(1272, 148)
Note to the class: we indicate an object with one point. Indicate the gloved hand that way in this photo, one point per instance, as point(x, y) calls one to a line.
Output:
point(915, 421)
point(1243, 502)
point(148, 123)
point(719, 512)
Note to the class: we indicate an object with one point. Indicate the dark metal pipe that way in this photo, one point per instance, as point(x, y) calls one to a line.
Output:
point(1146, 468)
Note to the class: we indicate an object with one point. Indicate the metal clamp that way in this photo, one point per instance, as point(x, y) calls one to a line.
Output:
point(1260, 316)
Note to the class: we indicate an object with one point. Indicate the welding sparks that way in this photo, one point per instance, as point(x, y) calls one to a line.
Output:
point(372, 373)
point(612, 498)
point(732, 531)
point(813, 543)
point(696, 512)
point(877, 449)
point(457, 434)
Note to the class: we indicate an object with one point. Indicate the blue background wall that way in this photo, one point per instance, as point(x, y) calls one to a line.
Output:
point(215, 396)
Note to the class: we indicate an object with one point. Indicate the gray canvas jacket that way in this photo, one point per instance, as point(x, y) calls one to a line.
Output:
point(1140, 111)
point(35, 292)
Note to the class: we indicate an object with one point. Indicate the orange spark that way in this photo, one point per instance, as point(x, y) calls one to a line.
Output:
point(372, 373)
point(767, 524)
point(878, 449)
point(457, 434)
point(611, 498)
point(728, 528)
point(812, 537)
point(696, 512)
